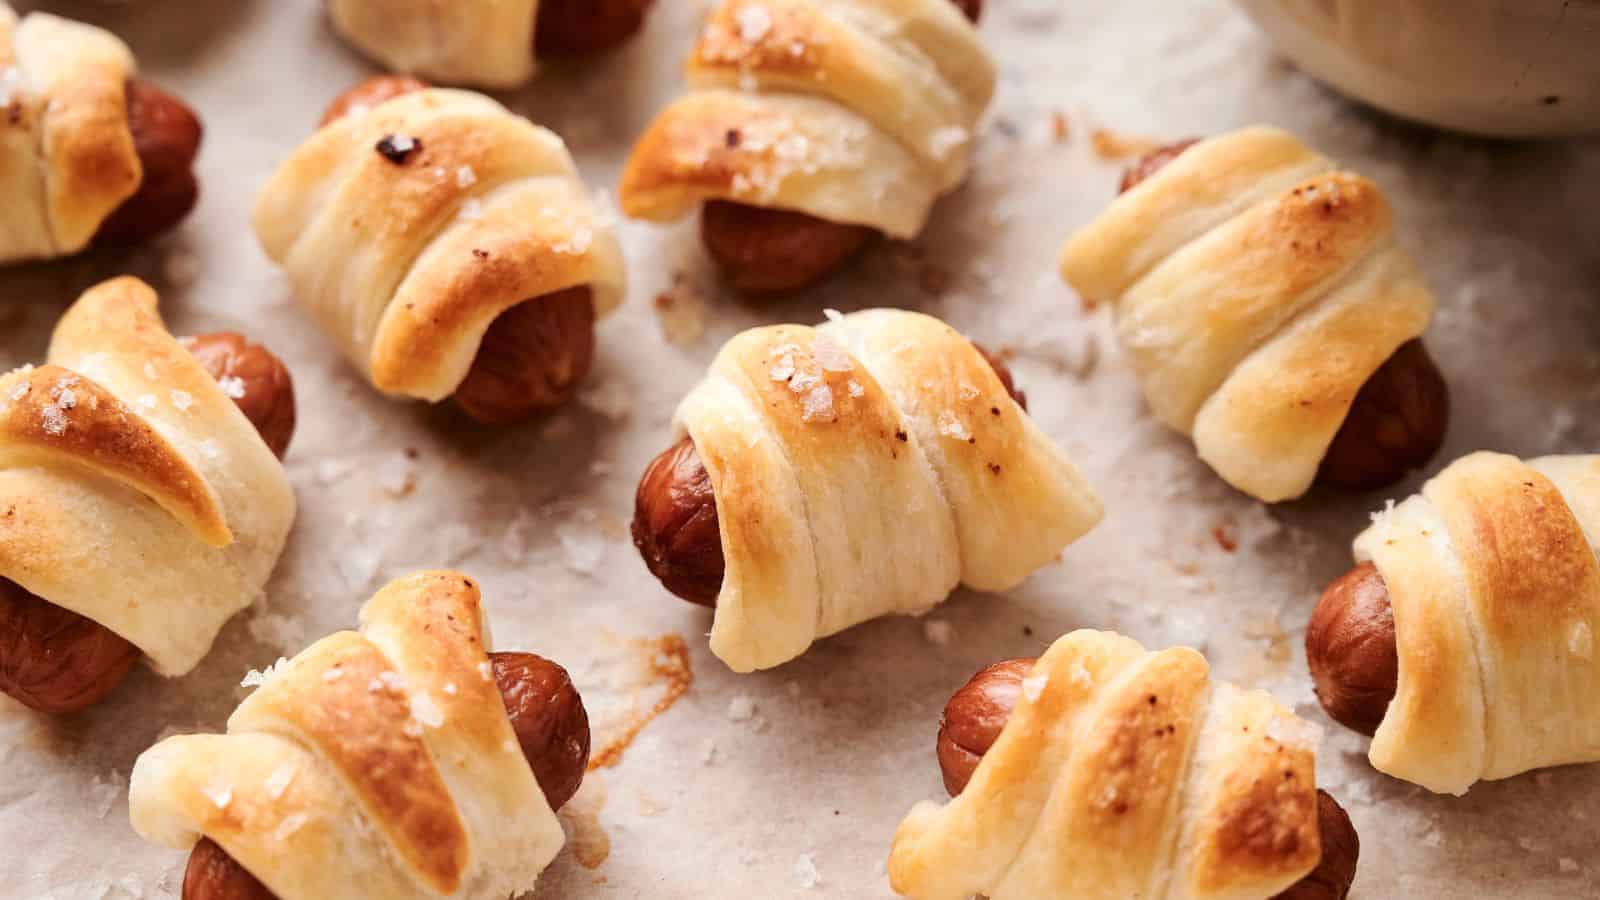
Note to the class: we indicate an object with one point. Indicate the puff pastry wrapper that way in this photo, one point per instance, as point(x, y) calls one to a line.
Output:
point(488, 43)
point(860, 112)
point(405, 264)
point(67, 158)
point(1256, 288)
point(135, 492)
point(376, 764)
point(867, 467)
point(1493, 578)
point(1124, 774)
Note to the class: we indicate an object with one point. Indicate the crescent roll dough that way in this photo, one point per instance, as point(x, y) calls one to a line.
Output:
point(67, 158)
point(377, 764)
point(1495, 585)
point(1256, 288)
point(407, 230)
point(488, 43)
point(867, 467)
point(134, 491)
point(1124, 774)
point(855, 111)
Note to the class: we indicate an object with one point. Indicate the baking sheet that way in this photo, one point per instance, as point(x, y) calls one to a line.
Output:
point(791, 782)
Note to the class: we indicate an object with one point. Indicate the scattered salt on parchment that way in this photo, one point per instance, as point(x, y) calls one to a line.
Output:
point(833, 315)
point(105, 792)
point(741, 708)
point(805, 871)
point(938, 632)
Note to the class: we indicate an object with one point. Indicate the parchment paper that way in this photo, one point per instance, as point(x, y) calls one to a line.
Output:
point(790, 783)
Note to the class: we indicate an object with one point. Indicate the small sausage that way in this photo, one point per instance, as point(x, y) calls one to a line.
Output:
point(1341, 850)
point(552, 728)
point(1397, 423)
point(1352, 649)
point(978, 712)
point(586, 27)
point(166, 135)
point(675, 525)
point(258, 382)
point(1400, 415)
point(375, 90)
point(57, 661)
point(974, 718)
point(765, 252)
point(532, 359)
point(1153, 162)
point(213, 875)
point(54, 660)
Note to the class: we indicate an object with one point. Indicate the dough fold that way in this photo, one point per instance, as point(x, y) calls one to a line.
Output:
point(1256, 288)
point(867, 467)
point(1124, 774)
point(486, 43)
point(376, 764)
point(1493, 577)
point(859, 112)
point(407, 230)
point(134, 491)
point(67, 157)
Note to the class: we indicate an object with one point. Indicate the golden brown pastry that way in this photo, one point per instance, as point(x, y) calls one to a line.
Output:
point(1102, 771)
point(404, 760)
point(1269, 314)
point(1466, 636)
point(141, 506)
point(87, 149)
point(810, 127)
point(487, 43)
point(861, 468)
point(447, 246)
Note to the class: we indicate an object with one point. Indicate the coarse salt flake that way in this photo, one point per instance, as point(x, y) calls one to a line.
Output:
point(290, 824)
point(1034, 685)
point(255, 678)
point(19, 390)
point(472, 209)
point(830, 356)
point(279, 781)
point(425, 711)
point(232, 385)
point(486, 671)
point(53, 420)
point(805, 871)
point(466, 177)
point(741, 708)
point(783, 369)
point(182, 400)
point(66, 398)
point(952, 427)
point(1580, 640)
point(818, 404)
point(855, 388)
point(333, 674)
point(755, 23)
point(833, 315)
point(219, 794)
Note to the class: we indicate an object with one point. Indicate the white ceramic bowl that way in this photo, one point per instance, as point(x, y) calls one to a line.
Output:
point(1508, 68)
